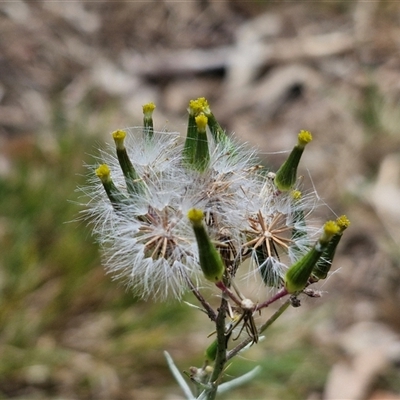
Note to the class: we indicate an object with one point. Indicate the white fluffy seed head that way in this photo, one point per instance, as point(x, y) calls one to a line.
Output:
point(148, 241)
point(276, 233)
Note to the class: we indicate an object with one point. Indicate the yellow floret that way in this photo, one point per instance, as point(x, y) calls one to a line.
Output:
point(195, 107)
point(119, 137)
point(331, 228)
point(148, 108)
point(201, 122)
point(103, 172)
point(196, 216)
point(304, 137)
point(204, 103)
point(343, 222)
point(296, 194)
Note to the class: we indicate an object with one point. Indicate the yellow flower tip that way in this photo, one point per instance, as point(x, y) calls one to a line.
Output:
point(119, 137)
point(343, 222)
point(148, 109)
point(195, 216)
point(296, 195)
point(196, 106)
point(103, 172)
point(331, 228)
point(202, 101)
point(201, 122)
point(304, 138)
point(204, 104)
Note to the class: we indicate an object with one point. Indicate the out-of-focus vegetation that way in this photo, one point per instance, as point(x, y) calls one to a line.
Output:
point(66, 329)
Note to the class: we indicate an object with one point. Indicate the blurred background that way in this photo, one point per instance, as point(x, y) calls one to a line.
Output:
point(73, 71)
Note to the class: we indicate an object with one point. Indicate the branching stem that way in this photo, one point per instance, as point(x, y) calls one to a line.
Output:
point(229, 292)
point(262, 328)
point(207, 307)
point(283, 292)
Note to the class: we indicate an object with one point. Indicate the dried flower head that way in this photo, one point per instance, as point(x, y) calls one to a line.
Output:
point(169, 214)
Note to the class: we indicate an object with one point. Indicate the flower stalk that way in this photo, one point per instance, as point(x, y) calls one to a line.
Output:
point(134, 184)
point(115, 196)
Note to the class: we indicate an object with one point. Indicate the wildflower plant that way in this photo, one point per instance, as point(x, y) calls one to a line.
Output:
point(177, 216)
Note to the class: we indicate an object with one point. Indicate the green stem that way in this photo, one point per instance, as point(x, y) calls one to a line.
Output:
point(274, 316)
point(220, 360)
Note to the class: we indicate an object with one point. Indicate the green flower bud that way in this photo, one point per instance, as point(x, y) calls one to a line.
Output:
point(324, 264)
point(287, 174)
point(189, 150)
point(148, 119)
point(134, 184)
point(202, 155)
point(217, 132)
point(210, 260)
point(115, 196)
point(297, 275)
point(195, 152)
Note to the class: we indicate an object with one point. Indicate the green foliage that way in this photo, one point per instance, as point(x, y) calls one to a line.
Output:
point(50, 269)
point(291, 373)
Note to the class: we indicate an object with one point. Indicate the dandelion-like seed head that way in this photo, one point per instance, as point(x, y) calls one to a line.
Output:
point(276, 233)
point(158, 228)
point(154, 253)
point(269, 234)
point(268, 242)
point(167, 215)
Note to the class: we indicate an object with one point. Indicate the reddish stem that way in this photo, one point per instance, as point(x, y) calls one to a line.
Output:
point(283, 292)
point(221, 285)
